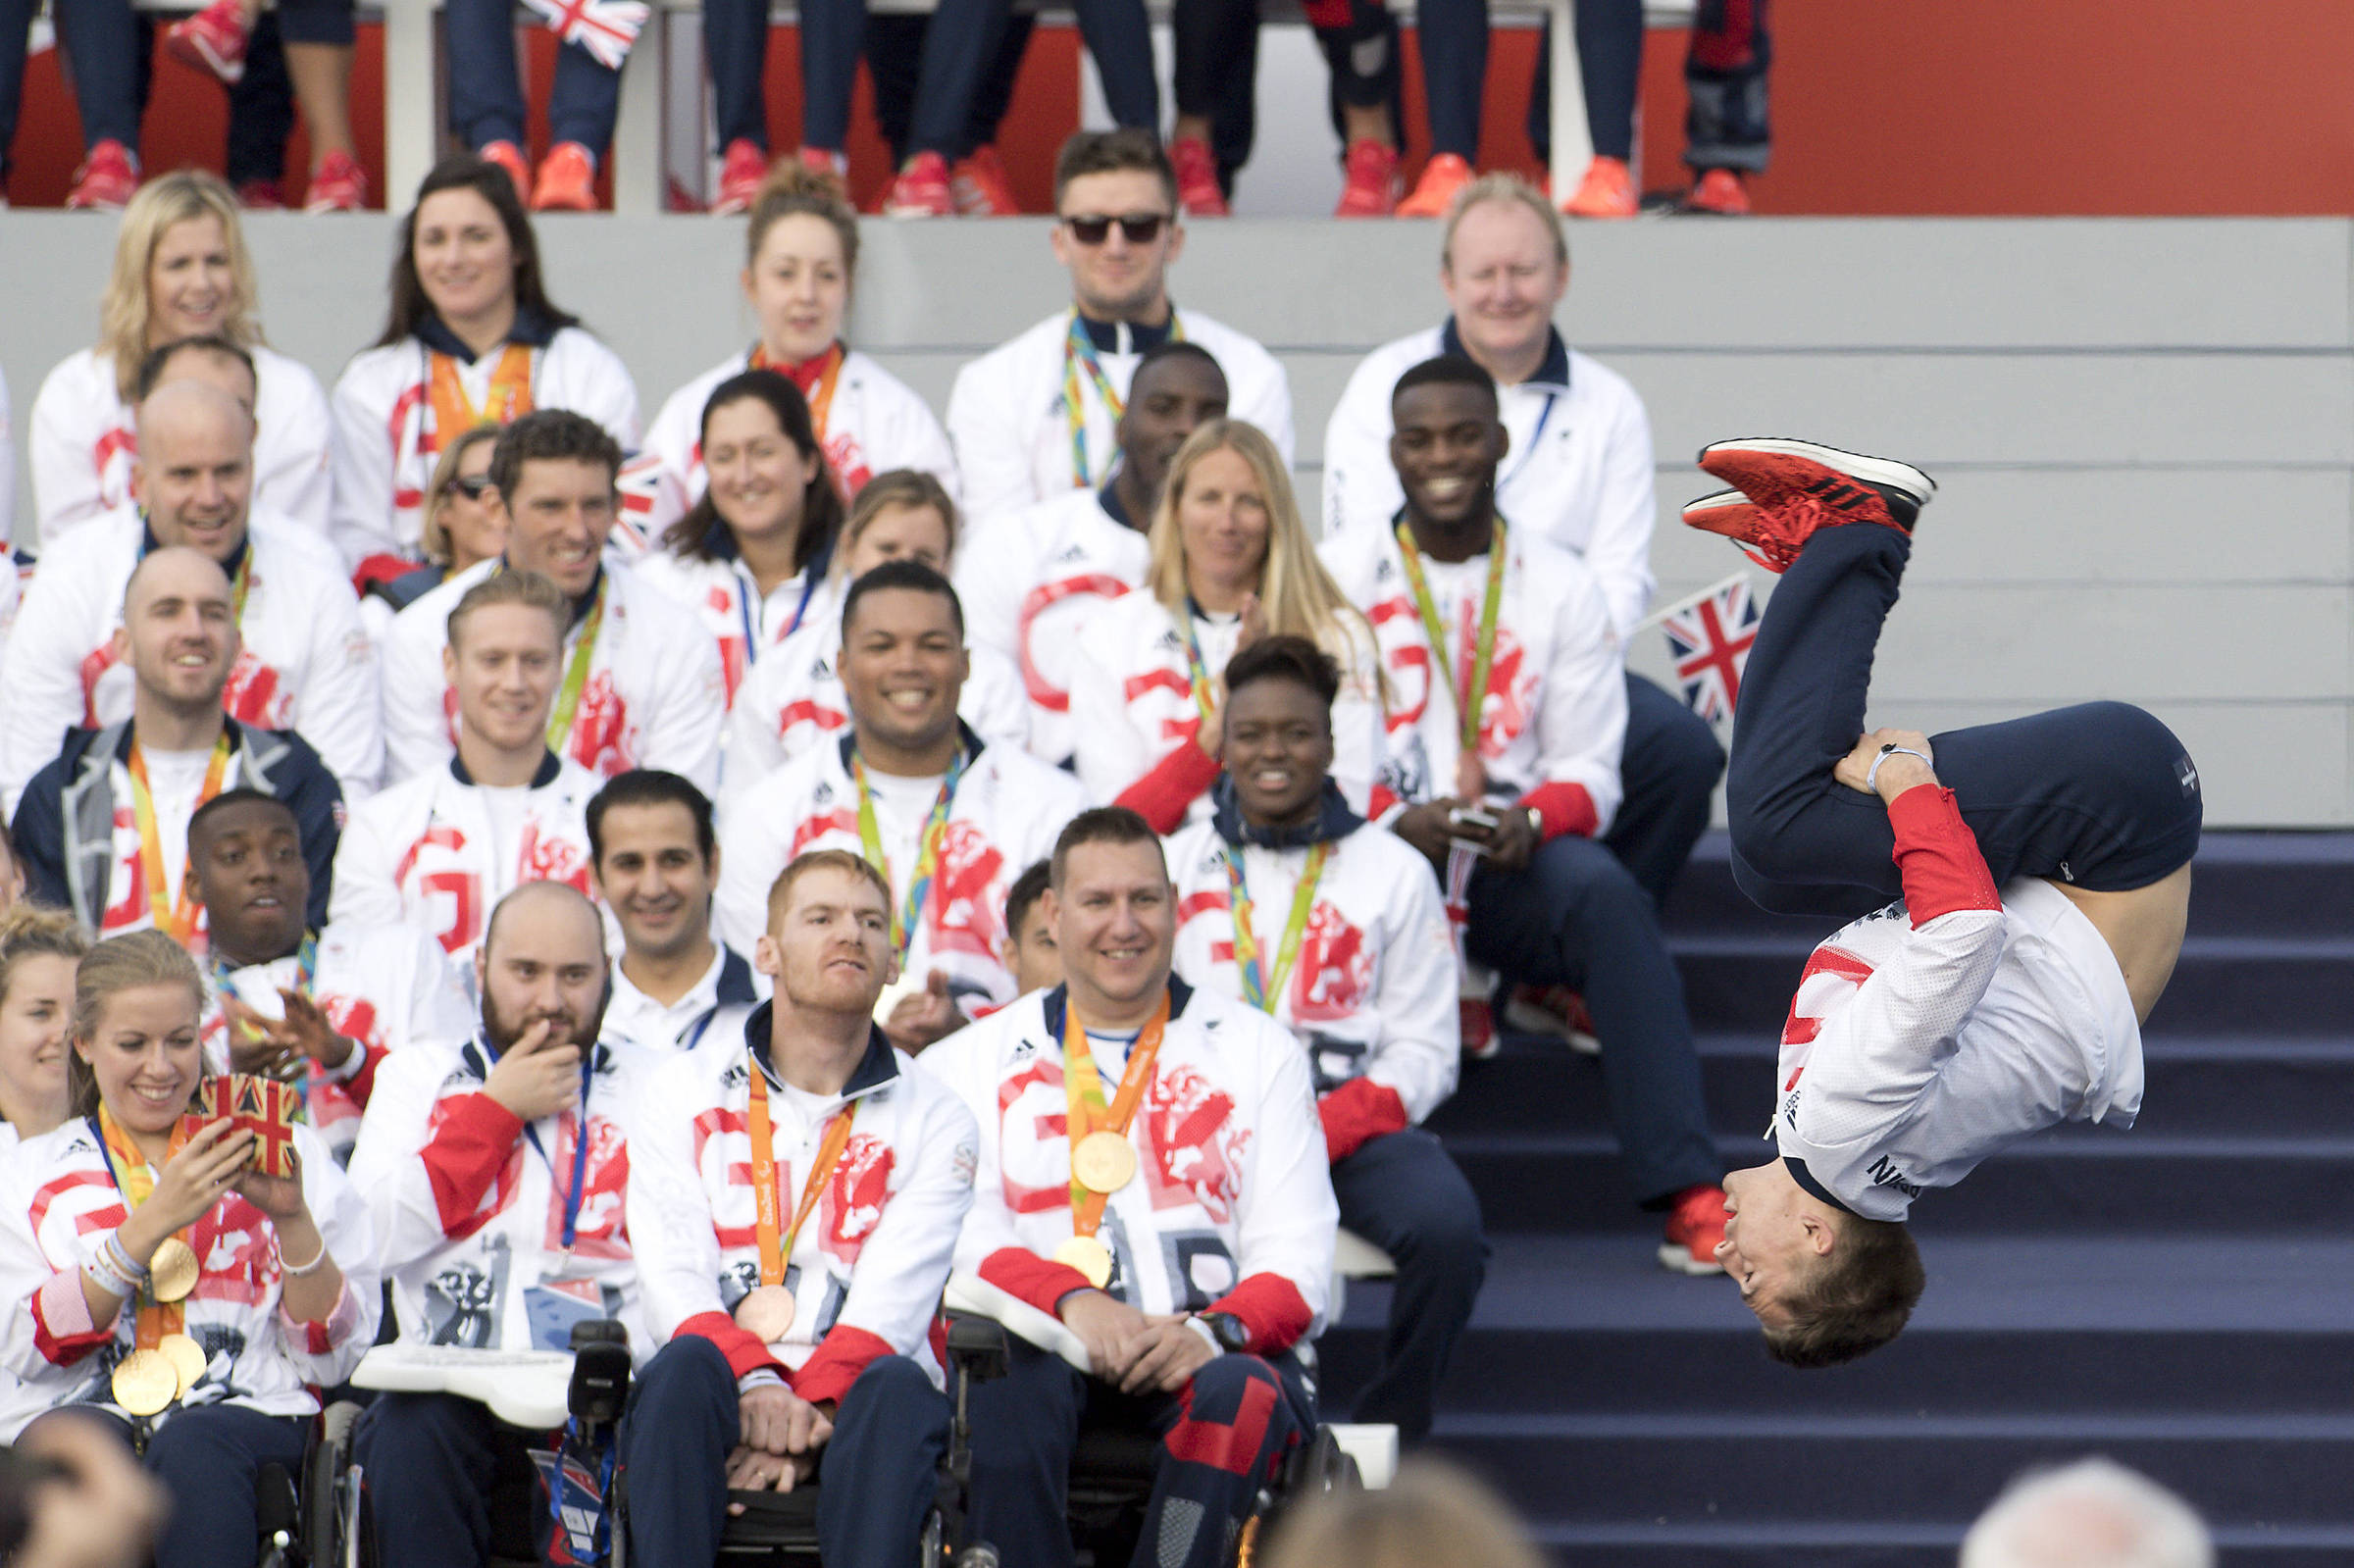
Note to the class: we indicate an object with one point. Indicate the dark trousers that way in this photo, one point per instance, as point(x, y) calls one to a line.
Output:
point(1724, 82)
point(485, 95)
point(1575, 916)
point(879, 1476)
point(207, 1459)
point(1359, 38)
point(1668, 771)
point(109, 52)
point(15, 38)
point(1401, 1192)
point(431, 1462)
point(736, 52)
point(895, 59)
point(2101, 795)
point(1220, 1438)
point(1216, 74)
point(965, 38)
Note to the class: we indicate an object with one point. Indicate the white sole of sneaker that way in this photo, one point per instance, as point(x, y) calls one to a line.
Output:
point(1855, 465)
point(1717, 502)
point(1679, 1260)
point(1529, 1019)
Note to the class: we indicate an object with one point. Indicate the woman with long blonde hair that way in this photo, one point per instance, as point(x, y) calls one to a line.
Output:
point(1232, 562)
point(180, 270)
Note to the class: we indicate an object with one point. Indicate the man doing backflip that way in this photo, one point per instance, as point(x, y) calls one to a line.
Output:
point(2041, 869)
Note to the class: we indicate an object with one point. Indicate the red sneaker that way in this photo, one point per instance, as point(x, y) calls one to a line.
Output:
point(1197, 169)
point(921, 189)
point(1434, 192)
point(1720, 192)
point(1739, 518)
point(106, 177)
point(510, 156)
point(567, 181)
point(1554, 1010)
point(825, 162)
point(1695, 1229)
point(741, 171)
point(339, 186)
point(212, 40)
point(1800, 486)
point(1481, 1042)
point(979, 188)
point(261, 195)
point(1606, 191)
point(1372, 186)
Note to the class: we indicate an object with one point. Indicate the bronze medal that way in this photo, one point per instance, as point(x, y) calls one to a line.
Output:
point(766, 1313)
point(145, 1383)
point(187, 1359)
point(1103, 1162)
point(1089, 1256)
point(173, 1271)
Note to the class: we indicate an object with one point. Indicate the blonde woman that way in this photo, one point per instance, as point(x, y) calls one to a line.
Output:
point(38, 951)
point(121, 1232)
point(180, 270)
point(462, 527)
point(1232, 562)
point(792, 698)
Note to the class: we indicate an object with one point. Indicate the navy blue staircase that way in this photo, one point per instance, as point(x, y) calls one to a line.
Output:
point(2179, 1296)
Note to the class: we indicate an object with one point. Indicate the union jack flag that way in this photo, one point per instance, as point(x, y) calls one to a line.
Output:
point(606, 28)
point(1709, 639)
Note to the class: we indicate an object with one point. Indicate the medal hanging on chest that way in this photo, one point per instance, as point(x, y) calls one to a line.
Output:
point(1102, 1158)
point(163, 1363)
point(767, 1312)
point(1471, 689)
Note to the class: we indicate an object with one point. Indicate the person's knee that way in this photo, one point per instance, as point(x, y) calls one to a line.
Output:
point(688, 1373)
point(1585, 882)
point(897, 1386)
point(1235, 1415)
point(191, 1449)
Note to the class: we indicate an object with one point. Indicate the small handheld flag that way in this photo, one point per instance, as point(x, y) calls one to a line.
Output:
point(1708, 636)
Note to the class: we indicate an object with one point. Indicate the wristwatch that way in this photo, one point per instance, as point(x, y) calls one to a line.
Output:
point(1226, 1331)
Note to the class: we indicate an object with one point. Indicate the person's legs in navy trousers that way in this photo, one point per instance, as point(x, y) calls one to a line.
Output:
point(432, 1461)
point(964, 41)
point(1401, 1192)
point(105, 61)
point(1609, 63)
point(261, 110)
point(485, 96)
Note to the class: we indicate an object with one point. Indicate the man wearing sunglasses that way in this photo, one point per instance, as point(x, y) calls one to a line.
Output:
point(1033, 418)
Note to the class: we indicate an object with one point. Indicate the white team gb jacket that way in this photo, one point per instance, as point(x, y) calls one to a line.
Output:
point(83, 438)
point(867, 1271)
point(1007, 811)
point(386, 988)
point(469, 1203)
point(1030, 591)
point(424, 853)
point(654, 697)
point(1231, 1209)
point(1929, 1033)
point(1556, 708)
point(743, 625)
point(58, 1205)
point(1011, 428)
point(1579, 471)
point(382, 462)
point(304, 662)
point(1372, 992)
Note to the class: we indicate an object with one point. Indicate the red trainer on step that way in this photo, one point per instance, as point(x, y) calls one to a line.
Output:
point(979, 189)
point(567, 181)
point(339, 186)
point(212, 40)
point(1198, 190)
point(1695, 1230)
point(1606, 191)
point(1372, 186)
point(106, 179)
point(510, 156)
point(740, 169)
point(921, 189)
point(1434, 192)
point(1718, 191)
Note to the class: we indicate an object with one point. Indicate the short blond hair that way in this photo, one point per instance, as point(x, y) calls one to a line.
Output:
point(119, 964)
point(1504, 186)
point(849, 862)
point(126, 311)
point(1432, 1515)
point(527, 589)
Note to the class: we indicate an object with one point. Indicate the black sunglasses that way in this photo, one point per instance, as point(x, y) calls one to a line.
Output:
point(1138, 229)
point(471, 486)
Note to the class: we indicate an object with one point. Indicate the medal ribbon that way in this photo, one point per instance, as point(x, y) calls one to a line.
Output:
point(1079, 355)
point(576, 678)
point(136, 1179)
point(508, 398)
point(776, 1252)
point(819, 388)
point(1083, 1097)
point(1265, 994)
point(306, 964)
point(1197, 669)
point(580, 1151)
point(927, 854)
point(1471, 693)
point(174, 909)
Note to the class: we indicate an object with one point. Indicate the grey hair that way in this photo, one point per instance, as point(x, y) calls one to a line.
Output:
point(2095, 1513)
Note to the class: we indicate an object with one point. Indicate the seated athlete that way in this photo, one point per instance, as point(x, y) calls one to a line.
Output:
point(2042, 868)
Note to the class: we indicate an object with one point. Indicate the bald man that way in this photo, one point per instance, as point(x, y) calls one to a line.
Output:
point(102, 828)
point(304, 663)
point(497, 1231)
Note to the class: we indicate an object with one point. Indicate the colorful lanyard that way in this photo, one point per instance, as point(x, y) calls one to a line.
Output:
point(776, 1252)
point(1078, 357)
point(926, 849)
point(1266, 993)
point(1473, 695)
point(819, 389)
point(507, 399)
point(175, 911)
point(1197, 669)
point(134, 1178)
point(576, 676)
point(239, 585)
point(580, 1147)
point(1082, 1098)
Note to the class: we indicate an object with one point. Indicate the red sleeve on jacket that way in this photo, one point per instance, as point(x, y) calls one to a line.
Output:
point(742, 1349)
point(836, 1363)
point(1567, 808)
point(1024, 1274)
point(1162, 796)
point(362, 1084)
point(1938, 857)
point(1356, 1113)
point(466, 1153)
point(1271, 1307)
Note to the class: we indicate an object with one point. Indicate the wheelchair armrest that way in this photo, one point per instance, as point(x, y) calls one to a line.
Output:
point(970, 1294)
point(978, 1347)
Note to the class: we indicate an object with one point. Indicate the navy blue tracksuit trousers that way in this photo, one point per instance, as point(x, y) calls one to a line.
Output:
point(1401, 1192)
point(2100, 795)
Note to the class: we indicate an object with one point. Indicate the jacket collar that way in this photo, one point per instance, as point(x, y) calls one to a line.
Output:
point(877, 1067)
point(1810, 1186)
point(848, 744)
point(1553, 373)
point(149, 544)
point(1057, 1002)
point(1109, 498)
point(1107, 335)
point(549, 767)
point(736, 988)
point(531, 329)
point(1333, 820)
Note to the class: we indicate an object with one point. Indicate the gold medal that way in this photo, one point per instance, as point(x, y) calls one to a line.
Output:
point(187, 1359)
point(173, 1271)
point(145, 1383)
point(1103, 1162)
point(1089, 1256)
point(766, 1313)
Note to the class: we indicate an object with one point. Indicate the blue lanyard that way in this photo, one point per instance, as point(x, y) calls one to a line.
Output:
point(1544, 417)
point(580, 1147)
point(748, 590)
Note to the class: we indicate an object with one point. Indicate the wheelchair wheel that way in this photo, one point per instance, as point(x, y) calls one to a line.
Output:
point(334, 1524)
